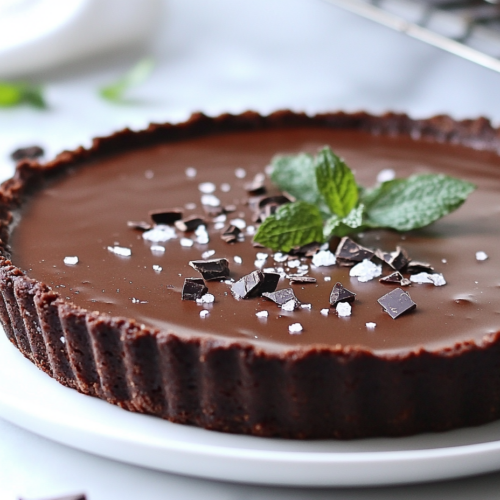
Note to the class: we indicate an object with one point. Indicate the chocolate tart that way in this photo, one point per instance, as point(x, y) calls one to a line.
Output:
point(113, 327)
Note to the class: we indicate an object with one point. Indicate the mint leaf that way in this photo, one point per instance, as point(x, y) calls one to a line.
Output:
point(335, 182)
point(295, 174)
point(18, 93)
point(294, 224)
point(337, 226)
point(405, 204)
point(135, 76)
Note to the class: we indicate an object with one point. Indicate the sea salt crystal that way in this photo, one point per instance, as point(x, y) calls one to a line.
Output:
point(206, 187)
point(328, 278)
point(201, 235)
point(220, 218)
point(293, 263)
point(433, 279)
point(295, 328)
point(225, 187)
point(262, 314)
point(210, 200)
point(186, 242)
point(481, 256)
point(325, 312)
point(208, 298)
point(306, 306)
point(219, 225)
point(207, 254)
point(237, 259)
point(157, 268)
point(240, 173)
point(239, 223)
point(251, 230)
point(259, 263)
point(204, 313)
point(343, 309)
point(157, 249)
point(191, 172)
point(122, 251)
point(385, 175)
point(289, 306)
point(71, 261)
point(324, 258)
point(366, 271)
point(63, 340)
point(371, 325)
point(160, 232)
point(280, 257)
point(190, 206)
point(262, 256)
point(269, 270)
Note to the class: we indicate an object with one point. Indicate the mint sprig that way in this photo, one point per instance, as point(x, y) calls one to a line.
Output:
point(18, 93)
point(330, 202)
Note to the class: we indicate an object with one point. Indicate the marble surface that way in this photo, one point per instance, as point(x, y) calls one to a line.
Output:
point(232, 56)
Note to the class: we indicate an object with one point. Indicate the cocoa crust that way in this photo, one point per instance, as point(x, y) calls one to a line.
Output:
point(233, 386)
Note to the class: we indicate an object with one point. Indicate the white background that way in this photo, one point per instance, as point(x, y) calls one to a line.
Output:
point(233, 55)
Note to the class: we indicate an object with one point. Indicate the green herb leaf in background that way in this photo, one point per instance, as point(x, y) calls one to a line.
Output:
point(335, 182)
point(415, 202)
point(294, 224)
point(337, 226)
point(18, 93)
point(135, 76)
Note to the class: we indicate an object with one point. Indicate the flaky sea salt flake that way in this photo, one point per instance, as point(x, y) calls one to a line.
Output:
point(204, 313)
point(237, 259)
point(325, 312)
point(387, 174)
point(71, 260)
point(159, 233)
point(366, 271)
point(262, 314)
point(481, 256)
point(295, 329)
point(206, 187)
point(324, 258)
point(210, 200)
point(157, 268)
point(186, 242)
point(343, 309)
point(371, 325)
point(121, 251)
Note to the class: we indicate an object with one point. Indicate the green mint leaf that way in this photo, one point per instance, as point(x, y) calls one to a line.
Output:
point(135, 76)
point(295, 174)
point(18, 93)
point(294, 224)
point(335, 182)
point(337, 226)
point(405, 204)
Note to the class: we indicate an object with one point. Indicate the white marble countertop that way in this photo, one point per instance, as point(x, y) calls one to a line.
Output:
point(232, 56)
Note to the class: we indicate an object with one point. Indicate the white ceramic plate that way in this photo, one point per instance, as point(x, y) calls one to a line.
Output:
point(32, 400)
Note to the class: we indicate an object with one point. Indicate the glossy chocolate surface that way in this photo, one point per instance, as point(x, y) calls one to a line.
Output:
point(85, 212)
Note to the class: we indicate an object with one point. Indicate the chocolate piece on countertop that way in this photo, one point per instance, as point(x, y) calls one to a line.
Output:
point(281, 297)
point(212, 269)
point(301, 279)
point(306, 250)
point(28, 153)
point(230, 234)
point(341, 294)
point(255, 284)
point(270, 282)
point(189, 223)
point(194, 288)
point(415, 267)
point(395, 277)
point(165, 215)
point(397, 302)
point(398, 259)
point(349, 252)
point(139, 224)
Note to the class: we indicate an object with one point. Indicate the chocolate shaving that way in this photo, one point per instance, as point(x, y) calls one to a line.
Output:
point(415, 267)
point(194, 288)
point(140, 225)
point(397, 302)
point(165, 216)
point(230, 234)
point(395, 277)
point(28, 153)
point(281, 297)
point(212, 269)
point(341, 294)
point(301, 279)
point(189, 223)
point(349, 252)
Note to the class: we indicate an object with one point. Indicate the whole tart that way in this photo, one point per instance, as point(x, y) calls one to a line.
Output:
point(113, 325)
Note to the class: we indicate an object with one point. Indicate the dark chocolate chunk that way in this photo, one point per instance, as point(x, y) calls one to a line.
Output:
point(280, 199)
point(165, 215)
point(189, 223)
point(295, 279)
point(341, 294)
point(212, 269)
point(415, 267)
point(397, 302)
point(255, 284)
point(194, 288)
point(349, 252)
point(28, 153)
point(230, 234)
point(139, 224)
point(256, 187)
point(395, 277)
point(306, 250)
point(398, 259)
point(281, 297)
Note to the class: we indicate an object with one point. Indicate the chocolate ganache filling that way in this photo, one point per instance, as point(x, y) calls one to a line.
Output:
point(84, 213)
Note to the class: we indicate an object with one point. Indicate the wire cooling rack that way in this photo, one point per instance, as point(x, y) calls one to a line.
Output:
point(467, 28)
